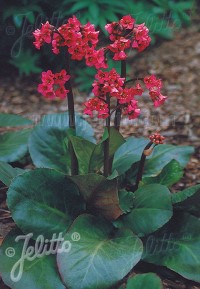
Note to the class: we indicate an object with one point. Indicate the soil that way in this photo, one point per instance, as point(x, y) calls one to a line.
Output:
point(177, 62)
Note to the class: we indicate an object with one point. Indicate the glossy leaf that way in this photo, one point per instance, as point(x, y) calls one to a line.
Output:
point(188, 200)
point(101, 257)
point(7, 173)
point(14, 145)
point(144, 281)
point(44, 201)
point(129, 153)
point(177, 246)
point(83, 150)
point(152, 209)
point(47, 144)
point(126, 200)
point(97, 157)
point(163, 154)
point(7, 119)
point(39, 273)
point(100, 194)
point(169, 175)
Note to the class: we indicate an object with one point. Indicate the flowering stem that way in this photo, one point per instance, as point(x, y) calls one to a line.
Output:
point(147, 151)
point(118, 110)
point(72, 123)
point(107, 142)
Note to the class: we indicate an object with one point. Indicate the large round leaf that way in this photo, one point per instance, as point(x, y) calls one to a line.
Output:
point(7, 119)
point(44, 201)
point(129, 153)
point(47, 143)
point(40, 273)
point(144, 281)
point(14, 145)
point(177, 246)
point(169, 175)
point(152, 209)
point(100, 257)
point(163, 154)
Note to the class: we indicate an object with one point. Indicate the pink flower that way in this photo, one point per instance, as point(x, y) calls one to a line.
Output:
point(89, 34)
point(137, 90)
point(132, 110)
point(127, 22)
point(61, 92)
point(43, 35)
point(151, 81)
point(53, 85)
point(126, 96)
point(61, 77)
point(111, 83)
point(141, 38)
point(96, 104)
point(48, 77)
point(118, 48)
point(157, 97)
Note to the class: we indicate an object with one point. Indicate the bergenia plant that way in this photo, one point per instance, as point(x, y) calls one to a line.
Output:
point(90, 212)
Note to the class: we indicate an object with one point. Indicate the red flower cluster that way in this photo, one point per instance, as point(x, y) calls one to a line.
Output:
point(43, 35)
point(157, 138)
point(154, 85)
point(81, 41)
point(96, 104)
point(53, 85)
point(110, 83)
point(125, 34)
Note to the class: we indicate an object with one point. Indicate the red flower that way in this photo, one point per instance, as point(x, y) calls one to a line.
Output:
point(151, 81)
point(132, 110)
point(61, 77)
point(96, 104)
point(157, 97)
point(43, 35)
point(53, 85)
point(127, 22)
point(141, 39)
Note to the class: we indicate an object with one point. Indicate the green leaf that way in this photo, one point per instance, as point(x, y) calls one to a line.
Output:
point(144, 281)
point(26, 62)
point(83, 150)
point(169, 175)
point(14, 145)
point(177, 246)
point(7, 173)
point(126, 200)
point(188, 200)
point(163, 154)
point(39, 273)
point(152, 209)
point(100, 194)
point(129, 153)
point(7, 119)
point(44, 201)
point(47, 143)
point(97, 157)
point(77, 7)
point(93, 9)
point(95, 261)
